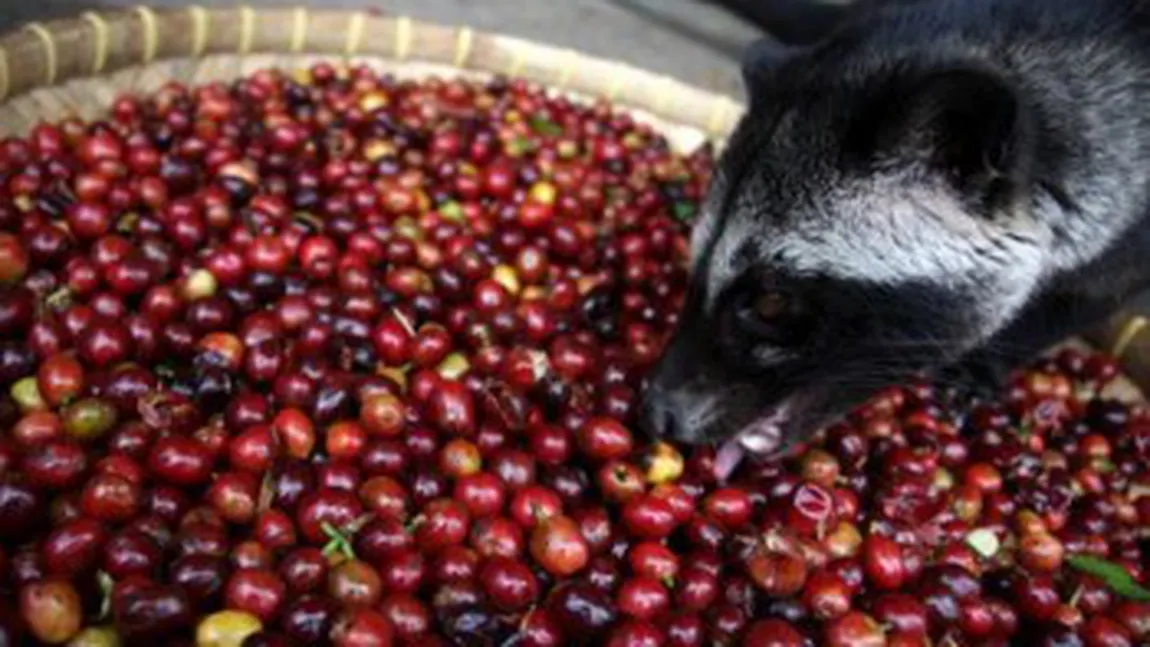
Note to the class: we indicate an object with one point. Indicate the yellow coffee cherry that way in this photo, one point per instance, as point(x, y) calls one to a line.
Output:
point(226, 629)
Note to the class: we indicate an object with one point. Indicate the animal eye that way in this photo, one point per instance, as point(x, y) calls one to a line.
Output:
point(772, 315)
point(770, 305)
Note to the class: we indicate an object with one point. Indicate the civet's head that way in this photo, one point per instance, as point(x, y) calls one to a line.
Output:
point(868, 219)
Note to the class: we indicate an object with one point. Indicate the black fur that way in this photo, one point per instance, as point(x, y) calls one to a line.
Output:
point(1004, 143)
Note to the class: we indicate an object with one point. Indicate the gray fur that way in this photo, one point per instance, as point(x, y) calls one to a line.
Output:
point(855, 182)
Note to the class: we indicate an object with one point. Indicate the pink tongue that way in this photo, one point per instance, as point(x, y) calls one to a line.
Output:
point(728, 457)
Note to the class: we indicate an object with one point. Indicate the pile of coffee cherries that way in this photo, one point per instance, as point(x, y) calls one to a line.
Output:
point(327, 357)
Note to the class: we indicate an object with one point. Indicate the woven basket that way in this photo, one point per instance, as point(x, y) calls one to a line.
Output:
point(76, 67)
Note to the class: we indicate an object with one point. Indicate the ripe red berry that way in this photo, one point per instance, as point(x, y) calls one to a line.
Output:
point(363, 628)
point(258, 592)
point(604, 439)
point(451, 408)
point(855, 629)
point(778, 574)
point(444, 523)
point(883, 561)
point(509, 584)
point(772, 633)
point(60, 379)
point(731, 507)
point(558, 546)
point(13, 259)
point(649, 517)
point(180, 461)
point(643, 598)
point(826, 595)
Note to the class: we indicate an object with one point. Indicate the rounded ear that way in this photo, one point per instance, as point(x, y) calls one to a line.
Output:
point(761, 58)
point(804, 22)
point(969, 122)
point(794, 28)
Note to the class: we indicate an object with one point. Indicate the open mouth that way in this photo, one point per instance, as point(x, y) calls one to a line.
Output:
point(761, 439)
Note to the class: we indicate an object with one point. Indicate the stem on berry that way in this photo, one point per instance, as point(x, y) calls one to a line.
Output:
point(338, 542)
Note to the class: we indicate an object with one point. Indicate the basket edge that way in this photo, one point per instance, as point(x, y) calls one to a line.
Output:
point(95, 43)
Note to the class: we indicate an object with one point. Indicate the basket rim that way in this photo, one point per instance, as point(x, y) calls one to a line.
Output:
point(44, 54)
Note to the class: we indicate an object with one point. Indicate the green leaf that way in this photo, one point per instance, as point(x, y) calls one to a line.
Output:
point(166, 371)
point(684, 211)
point(359, 522)
point(59, 300)
point(126, 224)
point(332, 532)
point(1103, 465)
point(309, 220)
point(1025, 430)
point(545, 126)
point(519, 146)
point(414, 523)
point(1113, 575)
point(107, 584)
point(336, 540)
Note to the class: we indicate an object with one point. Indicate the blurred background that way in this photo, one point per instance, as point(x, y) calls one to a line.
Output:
point(697, 41)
